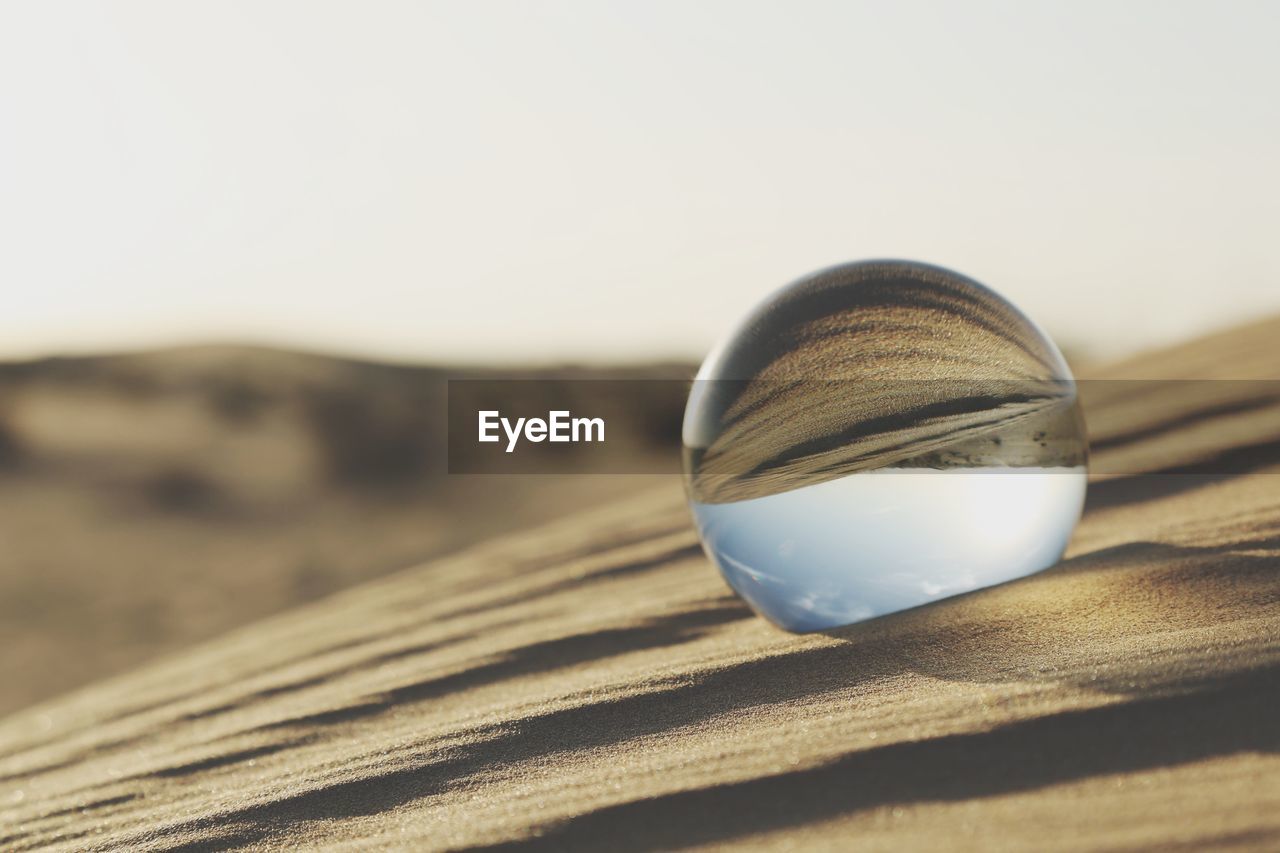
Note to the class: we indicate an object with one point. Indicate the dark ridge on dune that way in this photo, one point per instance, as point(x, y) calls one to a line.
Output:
point(1231, 717)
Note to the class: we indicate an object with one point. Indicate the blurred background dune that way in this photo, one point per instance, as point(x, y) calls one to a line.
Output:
point(153, 499)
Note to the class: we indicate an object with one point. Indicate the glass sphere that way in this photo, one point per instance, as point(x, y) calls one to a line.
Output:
point(877, 436)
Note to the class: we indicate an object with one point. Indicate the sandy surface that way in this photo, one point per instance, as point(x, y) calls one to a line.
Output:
point(593, 685)
point(153, 500)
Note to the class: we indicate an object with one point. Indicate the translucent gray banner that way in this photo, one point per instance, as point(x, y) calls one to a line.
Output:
point(823, 428)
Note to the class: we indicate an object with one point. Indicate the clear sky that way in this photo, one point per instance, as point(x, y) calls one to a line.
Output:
point(603, 181)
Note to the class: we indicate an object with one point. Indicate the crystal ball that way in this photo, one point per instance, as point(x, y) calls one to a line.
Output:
point(877, 436)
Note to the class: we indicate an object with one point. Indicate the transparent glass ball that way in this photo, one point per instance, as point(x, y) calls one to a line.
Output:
point(877, 436)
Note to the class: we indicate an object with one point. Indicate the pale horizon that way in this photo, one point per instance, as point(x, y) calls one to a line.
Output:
point(606, 183)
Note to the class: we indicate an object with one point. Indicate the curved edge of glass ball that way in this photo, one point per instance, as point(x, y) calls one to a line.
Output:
point(881, 435)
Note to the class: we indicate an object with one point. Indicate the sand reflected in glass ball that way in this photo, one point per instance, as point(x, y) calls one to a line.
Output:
point(878, 436)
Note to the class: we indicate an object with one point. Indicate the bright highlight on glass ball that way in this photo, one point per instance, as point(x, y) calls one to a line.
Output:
point(878, 436)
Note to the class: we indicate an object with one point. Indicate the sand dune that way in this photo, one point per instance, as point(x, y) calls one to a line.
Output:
point(591, 684)
point(153, 500)
point(870, 365)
